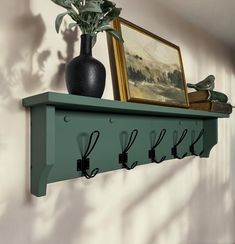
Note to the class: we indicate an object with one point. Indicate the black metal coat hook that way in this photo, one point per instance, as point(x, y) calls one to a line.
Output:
point(174, 150)
point(123, 157)
point(192, 149)
point(152, 150)
point(83, 164)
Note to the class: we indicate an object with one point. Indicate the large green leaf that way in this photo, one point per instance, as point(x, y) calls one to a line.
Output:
point(59, 20)
point(74, 8)
point(73, 15)
point(72, 25)
point(107, 6)
point(63, 3)
point(113, 14)
point(91, 7)
point(115, 34)
point(77, 2)
point(104, 28)
point(95, 1)
point(67, 3)
point(99, 2)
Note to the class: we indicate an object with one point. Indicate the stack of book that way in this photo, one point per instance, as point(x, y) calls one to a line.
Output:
point(212, 101)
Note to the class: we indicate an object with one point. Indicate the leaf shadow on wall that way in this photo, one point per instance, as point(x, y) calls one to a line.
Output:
point(62, 222)
point(22, 44)
point(71, 209)
point(197, 219)
point(70, 37)
point(208, 211)
point(199, 207)
point(31, 31)
point(167, 173)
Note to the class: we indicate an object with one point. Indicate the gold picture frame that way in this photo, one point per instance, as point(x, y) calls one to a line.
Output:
point(146, 68)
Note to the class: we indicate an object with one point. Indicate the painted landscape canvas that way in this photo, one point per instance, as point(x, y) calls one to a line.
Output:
point(153, 68)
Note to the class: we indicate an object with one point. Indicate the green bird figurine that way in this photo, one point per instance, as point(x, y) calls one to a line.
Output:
point(207, 84)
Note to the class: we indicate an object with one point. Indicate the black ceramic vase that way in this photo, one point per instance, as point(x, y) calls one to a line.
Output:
point(85, 76)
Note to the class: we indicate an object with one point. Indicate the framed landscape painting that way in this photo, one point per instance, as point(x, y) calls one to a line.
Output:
point(148, 68)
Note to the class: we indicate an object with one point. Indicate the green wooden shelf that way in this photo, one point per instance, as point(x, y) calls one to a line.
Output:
point(62, 124)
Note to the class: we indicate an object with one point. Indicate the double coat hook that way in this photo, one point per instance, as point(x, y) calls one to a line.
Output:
point(123, 157)
point(83, 164)
point(174, 149)
point(192, 149)
point(152, 150)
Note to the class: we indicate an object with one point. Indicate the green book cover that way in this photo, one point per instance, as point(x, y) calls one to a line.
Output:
point(207, 95)
point(217, 96)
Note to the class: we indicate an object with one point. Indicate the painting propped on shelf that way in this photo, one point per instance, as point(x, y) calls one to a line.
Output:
point(148, 68)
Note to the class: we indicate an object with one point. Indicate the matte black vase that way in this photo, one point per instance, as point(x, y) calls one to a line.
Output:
point(85, 75)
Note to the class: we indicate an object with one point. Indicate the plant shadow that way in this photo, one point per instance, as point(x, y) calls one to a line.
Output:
point(70, 37)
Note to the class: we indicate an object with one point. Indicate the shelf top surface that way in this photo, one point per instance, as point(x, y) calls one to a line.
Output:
point(80, 103)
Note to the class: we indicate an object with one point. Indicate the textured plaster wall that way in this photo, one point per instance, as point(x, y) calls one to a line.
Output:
point(179, 202)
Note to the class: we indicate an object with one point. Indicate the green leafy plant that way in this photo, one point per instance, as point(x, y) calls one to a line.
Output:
point(92, 16)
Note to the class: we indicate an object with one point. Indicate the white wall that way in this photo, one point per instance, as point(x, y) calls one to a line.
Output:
point(185, 202)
